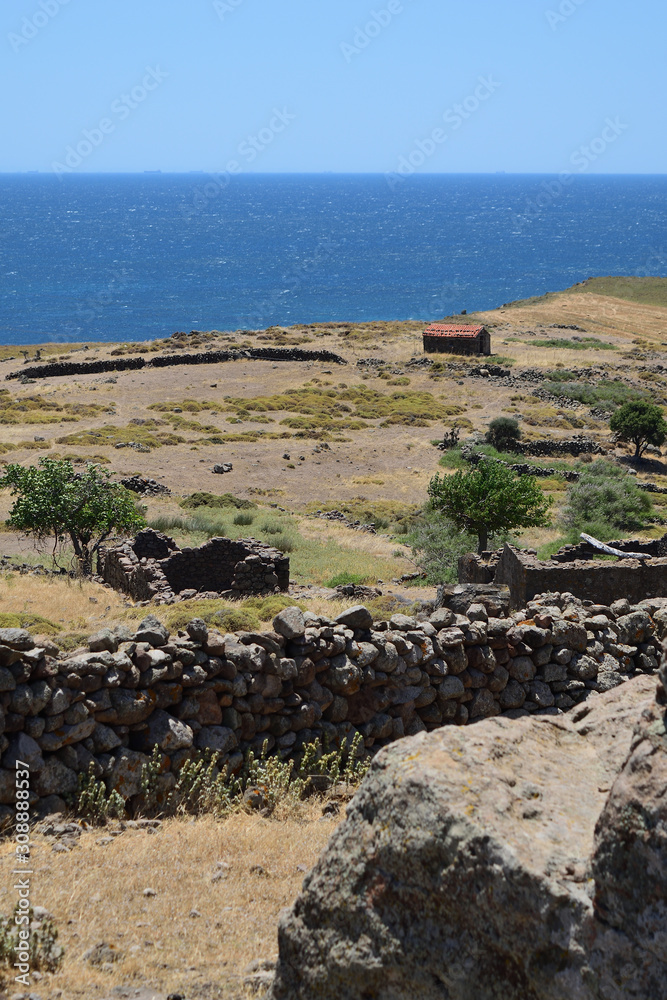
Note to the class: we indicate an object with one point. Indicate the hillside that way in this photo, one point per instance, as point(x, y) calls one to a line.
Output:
point(358, 437)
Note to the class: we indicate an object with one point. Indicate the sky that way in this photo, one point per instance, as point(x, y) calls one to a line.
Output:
point(523, 86)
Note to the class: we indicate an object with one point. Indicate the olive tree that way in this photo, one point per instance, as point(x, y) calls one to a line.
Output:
point(489, 498)
point(641, 423)
point(53, 500)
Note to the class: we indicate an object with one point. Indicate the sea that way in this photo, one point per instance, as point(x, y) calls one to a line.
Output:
point(131, 257)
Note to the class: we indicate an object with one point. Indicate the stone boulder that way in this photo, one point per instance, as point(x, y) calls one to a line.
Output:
point(492, 863)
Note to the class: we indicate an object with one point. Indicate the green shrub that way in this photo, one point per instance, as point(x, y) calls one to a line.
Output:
point(29, 620)
point(244, 518)
point(436, 547)
point(203, 787)
point(605, 395)
point(504, 433)
point(604, 501)
point(204, 523)
point(581, 344)
point(214, 500)
point(271, 527)
point(268, 607)
point(283, 542)
point(236, 620)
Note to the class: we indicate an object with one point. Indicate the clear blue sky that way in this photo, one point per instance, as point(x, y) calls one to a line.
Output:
point(557, 69)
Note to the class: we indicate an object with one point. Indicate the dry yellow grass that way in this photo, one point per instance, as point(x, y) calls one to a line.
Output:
point(96, 895)
point(69, 604)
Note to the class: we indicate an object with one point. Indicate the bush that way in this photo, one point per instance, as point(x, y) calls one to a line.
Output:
point(271, 528)
point(605, 395)
point(604, 501)
point(436, 547)
point(237, 620)
point(283, 542)
point(244, 518)
point(504, 433)
point(196, 500)
point(29, 620)
point(93, 802)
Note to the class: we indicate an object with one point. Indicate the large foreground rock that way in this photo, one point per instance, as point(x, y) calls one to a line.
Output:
point(464, 869)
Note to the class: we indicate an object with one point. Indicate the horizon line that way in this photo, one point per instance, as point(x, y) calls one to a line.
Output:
point(325, 173)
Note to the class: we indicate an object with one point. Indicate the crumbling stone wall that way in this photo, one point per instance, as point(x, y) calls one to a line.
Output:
point(153, 567)
point(572, 569)
point(111, 702)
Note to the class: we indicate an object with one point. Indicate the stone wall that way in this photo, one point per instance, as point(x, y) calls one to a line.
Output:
point(590, 579)
point(152, 567)
point(110, 703)
point(55, 368)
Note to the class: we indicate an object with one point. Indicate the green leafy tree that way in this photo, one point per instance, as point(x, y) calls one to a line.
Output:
point(489, 498)
point(504, 433)
point(55, 501)
point(641, 423)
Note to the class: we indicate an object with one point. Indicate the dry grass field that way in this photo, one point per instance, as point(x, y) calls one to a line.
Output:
point(219, 888)
point(300, 436)
point(377, 427)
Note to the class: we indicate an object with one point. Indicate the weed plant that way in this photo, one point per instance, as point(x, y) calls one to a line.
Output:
point(203, 787)
point(45, 954)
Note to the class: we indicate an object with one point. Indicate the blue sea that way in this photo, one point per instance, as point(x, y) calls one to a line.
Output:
point(131, 257)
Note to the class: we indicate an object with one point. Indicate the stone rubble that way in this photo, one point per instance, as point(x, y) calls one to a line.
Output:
point(145, 486)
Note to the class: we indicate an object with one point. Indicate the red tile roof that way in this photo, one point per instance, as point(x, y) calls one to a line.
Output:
point(449, 330)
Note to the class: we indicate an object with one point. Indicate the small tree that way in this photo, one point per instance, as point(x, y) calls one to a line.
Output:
point(504, 433)
point(489, 498)
point(85, 507)
point(640, 422)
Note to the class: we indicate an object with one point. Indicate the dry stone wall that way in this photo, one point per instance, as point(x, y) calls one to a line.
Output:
point(152, 567)
point(572, 569)
point(110, 703)
point(57, 368)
